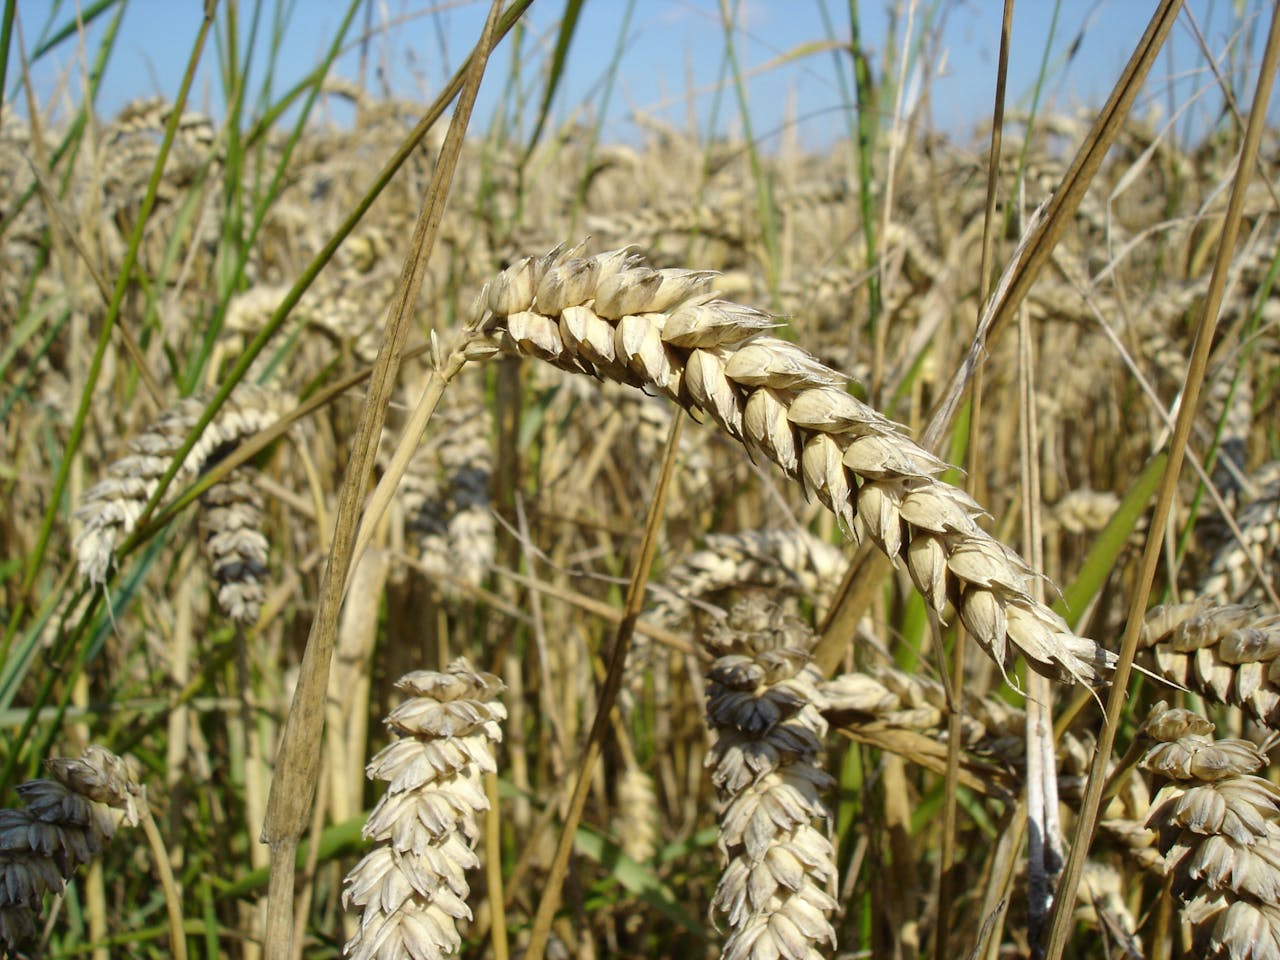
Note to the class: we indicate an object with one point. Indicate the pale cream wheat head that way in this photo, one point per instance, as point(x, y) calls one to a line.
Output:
point(111, 508)
point(411, 888)
point(1219, 831)
point(611, 317)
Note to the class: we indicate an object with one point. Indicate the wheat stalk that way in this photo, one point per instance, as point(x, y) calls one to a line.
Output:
point(611, 317)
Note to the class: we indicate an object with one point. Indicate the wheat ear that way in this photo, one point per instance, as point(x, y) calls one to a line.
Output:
point(1233, 575)
point(445, 492)
point(1229, 654)
point(762, 701)
point(884, 697)
point(1219, 830)
point(111, 508)
point(412, 887)
point(231, 532)
point(66, 822)
point(787, 558)
point(662, 330)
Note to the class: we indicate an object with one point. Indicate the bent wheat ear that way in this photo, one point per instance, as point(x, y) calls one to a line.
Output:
point(111, 508)
point(412, 887)
point(614, 318)
point(762, 700)
point(66, 822)
point(884, 698)
point(1219, 830)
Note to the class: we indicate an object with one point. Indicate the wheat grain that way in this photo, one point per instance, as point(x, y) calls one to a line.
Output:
point(412, 887)
point(609, 316)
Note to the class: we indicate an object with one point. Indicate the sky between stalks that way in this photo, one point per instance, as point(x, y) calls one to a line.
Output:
point(671, 58)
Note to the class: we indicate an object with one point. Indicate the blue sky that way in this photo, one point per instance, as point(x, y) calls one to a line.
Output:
point(672, 56)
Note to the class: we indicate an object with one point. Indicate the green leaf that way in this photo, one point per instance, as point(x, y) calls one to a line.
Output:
point(568, 24)
point(1101, 559)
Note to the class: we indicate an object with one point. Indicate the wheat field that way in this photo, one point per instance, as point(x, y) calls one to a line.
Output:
point(422, 540)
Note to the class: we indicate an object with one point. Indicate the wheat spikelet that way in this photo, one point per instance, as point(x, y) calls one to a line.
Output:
point(111, 508)
point(1219, 829)
point(612, 317)
point(412, 887)
point(231, 532)
point(66, 822)
point(1227, 653)
point(1084, 511)
point(894, 697)
point(762, 699)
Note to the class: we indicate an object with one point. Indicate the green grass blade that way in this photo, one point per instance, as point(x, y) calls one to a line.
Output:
point(6, 37)
point(1101, 558)
point(559, 56)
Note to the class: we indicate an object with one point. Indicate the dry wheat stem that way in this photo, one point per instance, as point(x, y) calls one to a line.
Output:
point(294, 783)
point(550, 899)
point(444, 369)
point(611, 317)
point(1205, 327)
